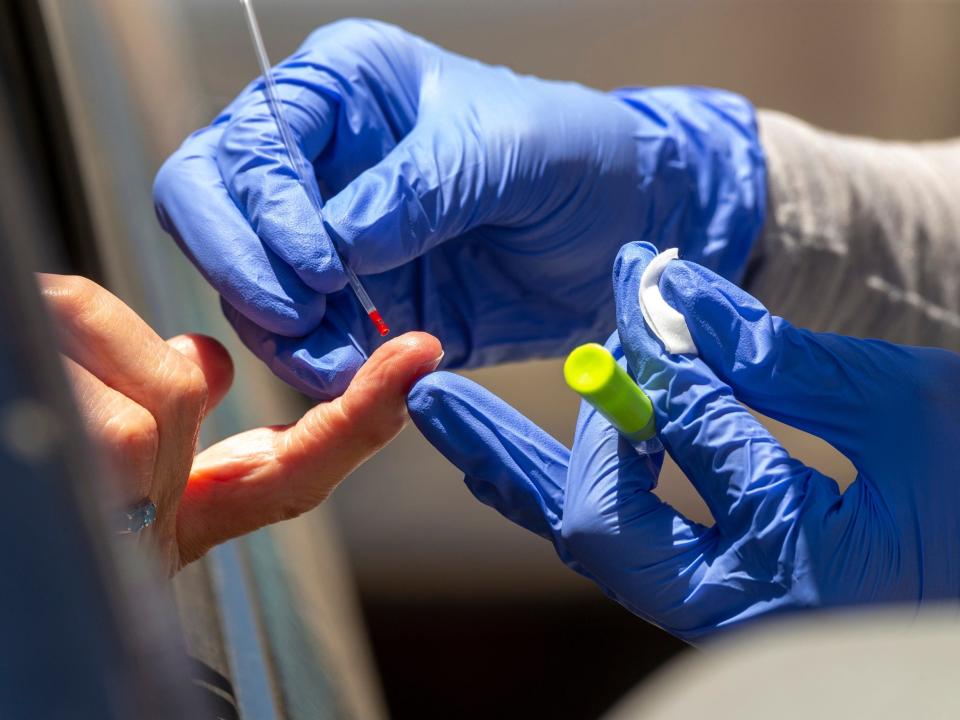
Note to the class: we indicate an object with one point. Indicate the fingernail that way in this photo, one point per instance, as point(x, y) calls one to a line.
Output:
point(432, 365)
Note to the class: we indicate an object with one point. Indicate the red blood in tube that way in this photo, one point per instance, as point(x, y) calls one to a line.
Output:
point(378, 321)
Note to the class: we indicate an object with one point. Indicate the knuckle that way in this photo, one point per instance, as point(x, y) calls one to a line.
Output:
point(582, 527)
point(570, 533)
point(356, 30)
point(357, 41)
point(292, 503)
point(340, 421)
point(132, 432)
point(189, 389)
point(290, 510)
point(178, 179)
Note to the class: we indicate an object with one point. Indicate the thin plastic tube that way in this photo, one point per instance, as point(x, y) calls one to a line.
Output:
point(300, 163)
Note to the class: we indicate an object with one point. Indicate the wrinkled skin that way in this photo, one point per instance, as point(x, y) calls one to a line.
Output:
point(142, 401)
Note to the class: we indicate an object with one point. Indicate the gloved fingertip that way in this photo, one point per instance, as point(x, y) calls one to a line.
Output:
point(717, 311)
point(322, 375)
point(631, 254)
point(628, 267)
point(424, 395)
point(509, 463)
point(252, 334)
point(327, 275)
point(684, 288)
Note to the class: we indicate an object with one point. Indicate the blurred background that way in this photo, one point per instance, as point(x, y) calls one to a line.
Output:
point(442, 608)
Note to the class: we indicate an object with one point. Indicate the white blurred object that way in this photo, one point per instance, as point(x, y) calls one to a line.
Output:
point(881, 665)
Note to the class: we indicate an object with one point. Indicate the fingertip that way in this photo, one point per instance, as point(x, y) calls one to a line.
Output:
point(632, 253)
point(424, 393)
point(631, 261)
point(628, 268)
point(689, 281)
point(326, 273)
point(212, 358)
point(412, 355)
point(509, 462)
point(393, 369)
point(373, 406)
point(449, 410)
point(412, 344)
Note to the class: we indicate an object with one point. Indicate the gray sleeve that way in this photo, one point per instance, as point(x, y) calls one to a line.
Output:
point(862, 237)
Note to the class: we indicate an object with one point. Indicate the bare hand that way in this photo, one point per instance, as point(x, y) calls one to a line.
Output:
point(143, 400)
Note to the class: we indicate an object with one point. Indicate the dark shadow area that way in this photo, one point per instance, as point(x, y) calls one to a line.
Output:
point(563, 660)
point(216, 691)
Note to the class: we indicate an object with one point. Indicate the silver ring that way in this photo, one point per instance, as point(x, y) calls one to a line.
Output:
point(136, 518)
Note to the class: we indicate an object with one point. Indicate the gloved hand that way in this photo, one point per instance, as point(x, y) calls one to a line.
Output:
point(482, 206)
point(785, 537)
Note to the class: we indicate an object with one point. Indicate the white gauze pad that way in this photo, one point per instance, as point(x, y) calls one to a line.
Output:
point(665, 322)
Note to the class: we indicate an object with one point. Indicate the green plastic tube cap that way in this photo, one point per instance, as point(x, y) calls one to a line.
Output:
point(593, 373)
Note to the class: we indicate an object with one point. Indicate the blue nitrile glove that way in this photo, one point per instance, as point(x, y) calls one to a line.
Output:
point(482, 206)
point(784, 538)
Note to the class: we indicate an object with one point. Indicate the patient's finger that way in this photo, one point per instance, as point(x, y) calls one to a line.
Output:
point(271, 474)
point(107, 338)
point(123, 433)
point(213, 360)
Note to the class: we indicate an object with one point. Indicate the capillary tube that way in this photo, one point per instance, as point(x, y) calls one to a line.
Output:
point(301, 165)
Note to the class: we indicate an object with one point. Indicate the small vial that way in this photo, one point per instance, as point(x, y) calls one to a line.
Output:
point(593, 373)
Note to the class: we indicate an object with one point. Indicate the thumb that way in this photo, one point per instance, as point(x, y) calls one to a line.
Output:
point(270, 474)
point(428, 189)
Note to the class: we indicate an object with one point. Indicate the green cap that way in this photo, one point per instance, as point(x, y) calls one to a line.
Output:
point(593, 373)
